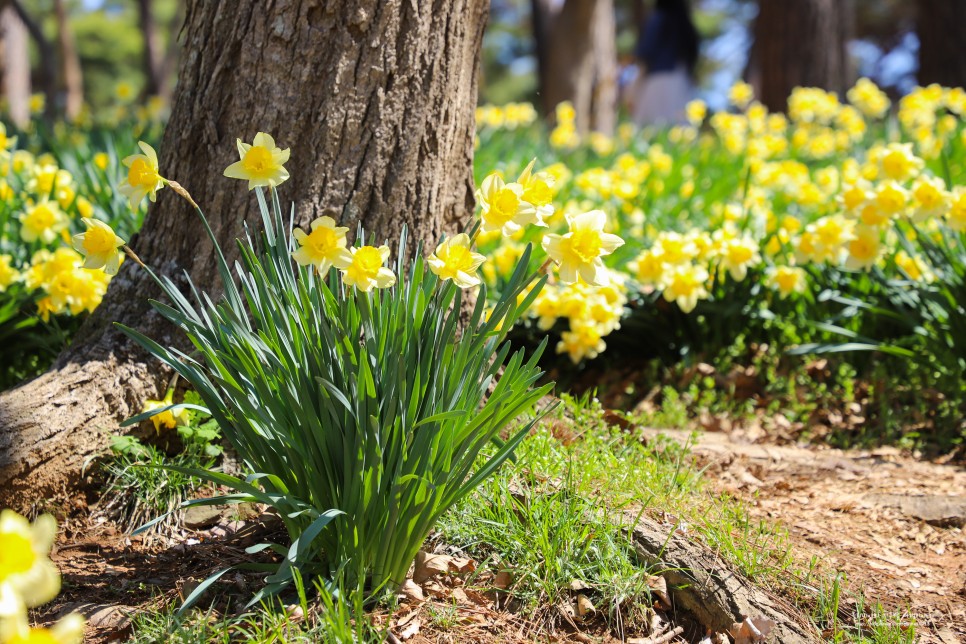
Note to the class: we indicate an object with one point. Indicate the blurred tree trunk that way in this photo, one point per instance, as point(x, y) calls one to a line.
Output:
point(153, 57)
point(47, 74)
point(603, 103)
point(800, 43)
point(71, 73)
point(376, 100)
point(941, 26)
point(16, 65)
point(577, 59)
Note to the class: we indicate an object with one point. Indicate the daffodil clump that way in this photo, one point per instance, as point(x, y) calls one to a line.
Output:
point(29, 579)
point(765, 210)
point(345, 376)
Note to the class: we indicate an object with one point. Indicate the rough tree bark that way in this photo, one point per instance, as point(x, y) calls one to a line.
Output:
point(800, 43)
point(577, 59)
point(941, 26)
point(16, 65)
point(70, 65)
point(376, 100)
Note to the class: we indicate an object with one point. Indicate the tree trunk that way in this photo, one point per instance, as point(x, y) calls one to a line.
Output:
point(376, 100)
point(153, 58)
point(71, 73)
point(577, 60)
point(603, 104)
point(800, 43)
point(941, 26)
point(47, 76)
point(16, 65)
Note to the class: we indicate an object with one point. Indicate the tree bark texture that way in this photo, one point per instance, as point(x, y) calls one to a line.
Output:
point(376, 100)
point(941, 27)
point(14, 43)
point(577, 59)
point(800, 43)
point(71, 74)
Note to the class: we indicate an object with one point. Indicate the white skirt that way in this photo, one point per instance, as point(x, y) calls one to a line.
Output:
point(661, 97)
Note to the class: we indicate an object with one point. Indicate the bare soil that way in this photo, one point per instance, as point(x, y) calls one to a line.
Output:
point(893, 524)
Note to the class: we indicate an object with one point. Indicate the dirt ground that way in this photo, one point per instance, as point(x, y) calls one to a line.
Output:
point(891, 523)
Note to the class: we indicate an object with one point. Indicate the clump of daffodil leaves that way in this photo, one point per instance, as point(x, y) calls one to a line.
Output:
point(348, 386)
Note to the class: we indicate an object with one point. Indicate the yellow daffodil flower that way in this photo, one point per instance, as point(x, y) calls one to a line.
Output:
point(168, 419)
point(99, 245)
point(503, 207)
point(6, 142)
point(579, 252)
point(261, 162)
point(26, 572)
point(538, 190)
point(786, 280)
point(143, 178)
point(686, 285)
point(864, 249)
point(455, 260)
point(366, 270)
point(582, 342)
point(8, 272)
point(42, 222)
point(930, 198)
point(956, 216)
point(741, 94)
point(15, 629)
point(324, 247)
point(738, 255)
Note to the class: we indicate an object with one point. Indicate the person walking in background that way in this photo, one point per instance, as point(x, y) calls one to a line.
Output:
point(667, 53)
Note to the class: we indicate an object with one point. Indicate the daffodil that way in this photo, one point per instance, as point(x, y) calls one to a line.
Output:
point(956, 216)
point(649, 266)
point(43, 221)
point(740, 94)
point(914, 267)
point(686, 285)
point(538, 190)
point(168, 419)
point(583, 341)
point(15, 629)
point(324, 247)
point(6, 142)
point(25, 569)
point(99, 245)
point(366, 270)
point(930, 198)
point(738, 255)
point(261, 164)
point(787, 280)
point(455, 260)
point(696, 110)
point(579, 252)
point(503, 207)
point(8, 272)
point(864, 248)
point(143, 178)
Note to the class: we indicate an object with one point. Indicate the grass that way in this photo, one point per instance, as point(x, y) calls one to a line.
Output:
point(555, 516)
point(330, 618)
point(140, 488)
